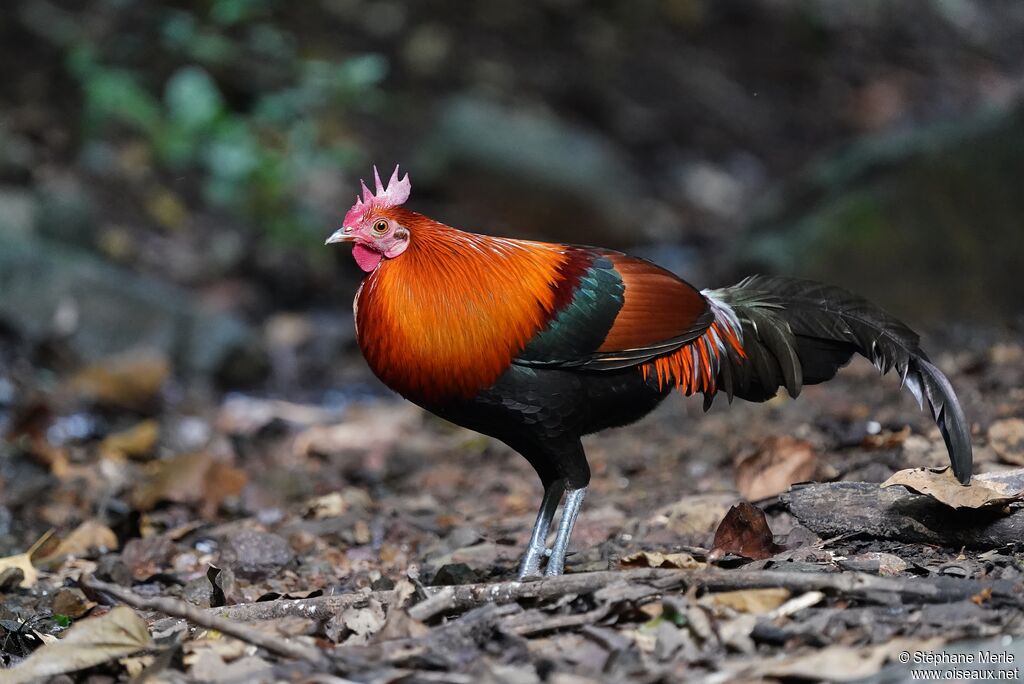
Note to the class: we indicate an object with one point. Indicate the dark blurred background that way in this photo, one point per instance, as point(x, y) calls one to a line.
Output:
point(169, 171)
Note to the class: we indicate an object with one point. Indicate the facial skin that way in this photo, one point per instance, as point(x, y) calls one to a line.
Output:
point(376, 238)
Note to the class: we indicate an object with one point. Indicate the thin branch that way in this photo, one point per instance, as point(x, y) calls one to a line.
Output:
point(197, 616)
point(460, 598)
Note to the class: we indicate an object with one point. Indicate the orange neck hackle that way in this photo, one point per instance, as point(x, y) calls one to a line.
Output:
point(446, 318)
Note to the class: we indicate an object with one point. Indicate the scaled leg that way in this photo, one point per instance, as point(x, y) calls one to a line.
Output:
point(530, 565)
point(571, 509)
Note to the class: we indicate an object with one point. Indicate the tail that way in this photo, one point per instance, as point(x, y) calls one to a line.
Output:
point(798, 332)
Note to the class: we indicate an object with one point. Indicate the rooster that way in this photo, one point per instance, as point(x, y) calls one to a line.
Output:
point(537, 344)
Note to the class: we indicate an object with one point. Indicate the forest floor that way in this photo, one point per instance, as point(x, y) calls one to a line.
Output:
point(167, 531)
point(259, 539)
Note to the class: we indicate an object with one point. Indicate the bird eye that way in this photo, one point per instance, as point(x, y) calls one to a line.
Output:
point(380, 227)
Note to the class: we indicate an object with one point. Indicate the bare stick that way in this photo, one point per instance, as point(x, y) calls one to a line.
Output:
point(319, 608)
point(460, 598)
point(197, 616)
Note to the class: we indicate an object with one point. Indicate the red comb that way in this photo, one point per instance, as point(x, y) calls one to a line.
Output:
point(393, 195)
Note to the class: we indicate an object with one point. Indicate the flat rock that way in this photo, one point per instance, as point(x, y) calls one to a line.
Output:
point(253, 554)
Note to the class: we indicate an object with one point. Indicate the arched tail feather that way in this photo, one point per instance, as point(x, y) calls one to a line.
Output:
point(799, 332)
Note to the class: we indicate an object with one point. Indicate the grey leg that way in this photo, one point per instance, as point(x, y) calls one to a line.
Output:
point(573, 502)
point(530, 565)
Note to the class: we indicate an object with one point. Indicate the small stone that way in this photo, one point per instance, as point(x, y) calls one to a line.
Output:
point(112, 568)
point(254, 555)
point(454, 574)
point(1006, 437)
point(382, 584)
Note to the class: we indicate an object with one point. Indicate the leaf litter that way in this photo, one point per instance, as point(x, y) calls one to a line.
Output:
point(387, 540)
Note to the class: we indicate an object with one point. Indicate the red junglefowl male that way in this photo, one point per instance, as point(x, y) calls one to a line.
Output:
point(536, 344)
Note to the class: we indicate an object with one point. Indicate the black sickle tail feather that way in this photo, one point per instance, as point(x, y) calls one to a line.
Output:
point(799, 332)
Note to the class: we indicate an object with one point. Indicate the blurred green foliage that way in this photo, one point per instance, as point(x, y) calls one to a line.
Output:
point(252, 160)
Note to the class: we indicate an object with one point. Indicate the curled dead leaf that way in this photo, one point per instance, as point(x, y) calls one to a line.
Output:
point(744, 531)
point(777, 464)
point(941, 485)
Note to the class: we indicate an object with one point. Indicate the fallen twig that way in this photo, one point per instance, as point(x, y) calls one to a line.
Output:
point(176, 608)
point(319, 608)
point(460, 598)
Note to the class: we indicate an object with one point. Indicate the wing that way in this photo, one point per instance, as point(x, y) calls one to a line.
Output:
point(615, 311)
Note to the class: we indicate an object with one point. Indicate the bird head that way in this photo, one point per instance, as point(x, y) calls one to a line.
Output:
point(372, 224)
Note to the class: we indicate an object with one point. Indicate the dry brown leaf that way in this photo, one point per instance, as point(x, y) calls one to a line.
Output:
point(1006, 437)
point(941, 485)
point(135, 442)
point(131, 380)
point(72, 602)
point(778, 463)
point(744, 531)
point(90, 536)
point(119, 633)
point(190, 478)
point(656, 559)
point(179, 479)
point(24, 563)
point(754, 601)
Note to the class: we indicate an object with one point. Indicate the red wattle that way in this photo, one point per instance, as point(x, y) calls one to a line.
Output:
point(366, 258)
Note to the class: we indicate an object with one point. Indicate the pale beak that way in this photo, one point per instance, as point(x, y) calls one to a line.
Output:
point(341, 235)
